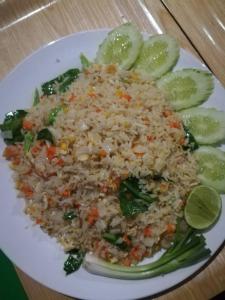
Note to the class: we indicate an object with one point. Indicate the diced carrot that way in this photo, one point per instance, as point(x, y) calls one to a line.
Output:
point(175, 124)
point(126, 261)
point(139, 154)
point(126, 239)
point(66, 193)
point(93, 216)
point(60, 162)
point(135, 253)
point(182, 141)
point(92, 95)
point(27, 190)
point(148, 231)
point(72, 97)
point(38, 221)
point(51, 152)
point(11, 152)
point(126, 96)
point(98, 109)
point(167, 113)
point(102, 153)
point(36, 148)
point(170, 228)
point(27, 125)
point(150, 138)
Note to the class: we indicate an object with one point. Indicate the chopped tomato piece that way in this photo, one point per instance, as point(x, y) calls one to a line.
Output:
point(51, 152)
point(11, 152)
point(170, 228)
point(167, 113)
point(93, 216)
point(175, 124)
point(27, 125)
point(27, 190)
point(102, 153)
point(147, 231)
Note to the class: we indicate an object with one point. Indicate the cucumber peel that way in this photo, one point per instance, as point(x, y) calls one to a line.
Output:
point(187, 87)
point(121, 46)
point(158, 55)
point(206, 124)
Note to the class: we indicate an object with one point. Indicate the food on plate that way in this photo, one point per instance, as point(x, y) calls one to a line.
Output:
point(187, 87)
point(109, 168)
point(105, 161)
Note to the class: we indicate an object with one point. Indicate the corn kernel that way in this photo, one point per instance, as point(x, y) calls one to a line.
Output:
point(64, 146)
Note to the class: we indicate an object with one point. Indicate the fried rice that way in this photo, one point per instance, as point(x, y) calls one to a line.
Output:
point(112, 125)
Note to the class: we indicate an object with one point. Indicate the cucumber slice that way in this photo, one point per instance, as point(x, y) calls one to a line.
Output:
point(187, 87)
point(206, 124)
point(211, 163)
point(158, 55)
point(121, 46)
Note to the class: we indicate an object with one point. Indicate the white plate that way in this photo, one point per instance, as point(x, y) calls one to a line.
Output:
point(26, 245)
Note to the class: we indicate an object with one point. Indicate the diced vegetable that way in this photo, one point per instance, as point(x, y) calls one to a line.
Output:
point(121, 46)
point(53, 114)
point(188, 248)
point(117, 240)
point(84, 62)
point(187, 87)
point(12, 127)
point(70, 215)
point(61, 83)
point(36, 97)
point(211, 169)
point(73, 261)
point(206, 124)
point(45, 134)
point(132, 199)
point(192, 144)
point(158, 55)
point(28, 141)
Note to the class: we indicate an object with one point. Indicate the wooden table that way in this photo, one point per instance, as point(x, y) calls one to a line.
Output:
point(199, 26)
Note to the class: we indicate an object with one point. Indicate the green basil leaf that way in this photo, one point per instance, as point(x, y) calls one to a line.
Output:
point(73, 261)
point(11, 128)
point(45, 134)
point(69, 215)
point(61, 83)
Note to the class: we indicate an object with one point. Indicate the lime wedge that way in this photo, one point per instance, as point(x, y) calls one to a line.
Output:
point(203, 207)
point(121, 46)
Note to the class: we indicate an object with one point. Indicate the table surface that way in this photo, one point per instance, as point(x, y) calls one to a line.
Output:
point(199, 27)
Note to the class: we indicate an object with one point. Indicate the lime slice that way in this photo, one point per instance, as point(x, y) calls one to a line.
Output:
point(121, 46)
point(158, 55)
point(211, 171)
point(206, 124)
point(187, 87)
point(203, 207)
